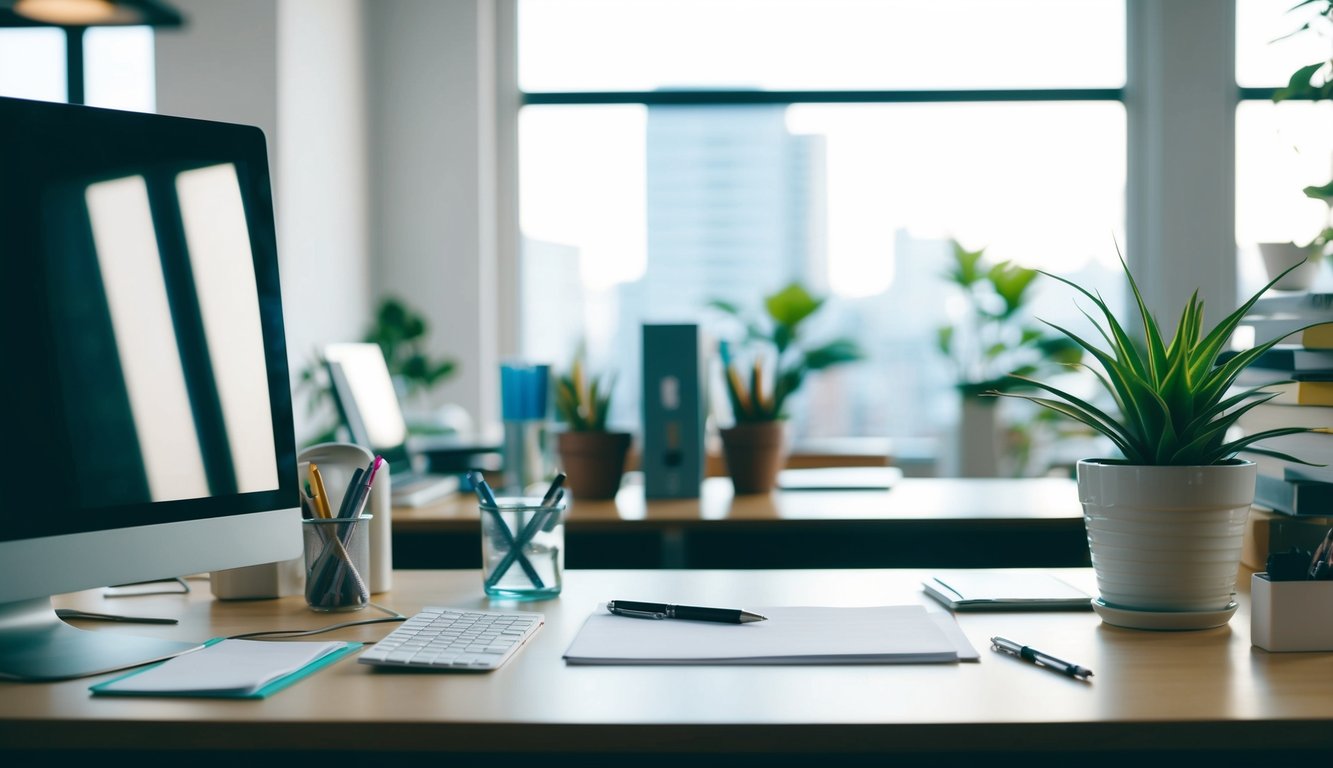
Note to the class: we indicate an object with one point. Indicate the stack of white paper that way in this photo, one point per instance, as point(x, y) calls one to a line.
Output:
point(791, 635)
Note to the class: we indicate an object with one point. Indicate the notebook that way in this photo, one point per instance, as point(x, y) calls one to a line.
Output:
point(238, 669)
point(896, 634)
point(368, 402)
point(996, 590)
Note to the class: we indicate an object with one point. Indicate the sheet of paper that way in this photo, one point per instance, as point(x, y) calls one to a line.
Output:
point(791, 635)
point(230, 666)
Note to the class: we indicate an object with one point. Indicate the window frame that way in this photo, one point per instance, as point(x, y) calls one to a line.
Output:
point(1158, 36)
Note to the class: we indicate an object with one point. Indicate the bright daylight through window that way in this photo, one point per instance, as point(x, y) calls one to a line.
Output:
point(737, 146)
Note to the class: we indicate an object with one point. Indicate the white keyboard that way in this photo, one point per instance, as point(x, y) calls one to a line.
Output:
point(450, 638)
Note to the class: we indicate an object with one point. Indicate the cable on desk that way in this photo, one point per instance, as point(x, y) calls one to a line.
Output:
point(140, 588)
point(285, 634)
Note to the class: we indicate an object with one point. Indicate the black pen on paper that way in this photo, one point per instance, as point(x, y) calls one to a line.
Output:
point(1028, 653)
point(640, 610)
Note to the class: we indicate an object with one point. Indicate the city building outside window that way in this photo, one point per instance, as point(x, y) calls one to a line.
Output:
point(676, 153)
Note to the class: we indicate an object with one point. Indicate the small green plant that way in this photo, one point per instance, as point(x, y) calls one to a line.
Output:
point(1175, 399)
point(1313, 82)
point(759, 391)
point(401, 334)
point(583, 401)
point(996, 342)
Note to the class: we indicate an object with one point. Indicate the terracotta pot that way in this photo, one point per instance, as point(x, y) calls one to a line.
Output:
point(593, 462)
point(754, 452)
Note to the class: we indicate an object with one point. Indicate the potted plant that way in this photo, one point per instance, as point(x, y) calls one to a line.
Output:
point(1166, 518)
point(1313, 82)
point(592, 457)
point(401, 333)
point(992, 342)
point(758, 389)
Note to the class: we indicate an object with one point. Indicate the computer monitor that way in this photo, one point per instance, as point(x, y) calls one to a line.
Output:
point(364, 393)
point(147, 430)
point(367, 401)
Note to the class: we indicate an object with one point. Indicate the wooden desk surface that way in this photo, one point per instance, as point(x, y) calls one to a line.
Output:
point(912, 498)
point(1151, 691)
point(919, 522)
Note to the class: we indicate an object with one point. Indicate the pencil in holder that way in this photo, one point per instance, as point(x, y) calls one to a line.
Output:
point(336, 555)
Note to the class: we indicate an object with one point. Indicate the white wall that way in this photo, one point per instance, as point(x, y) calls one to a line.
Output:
point(222, 65)
point(296, 69)
point(324, 200)
point(433, 123)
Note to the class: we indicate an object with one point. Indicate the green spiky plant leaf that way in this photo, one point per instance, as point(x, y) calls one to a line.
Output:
point(759, 391)
point(583, 401)
point(1176, 400)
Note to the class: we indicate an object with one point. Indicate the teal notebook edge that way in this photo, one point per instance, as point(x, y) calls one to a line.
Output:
point(102, 688)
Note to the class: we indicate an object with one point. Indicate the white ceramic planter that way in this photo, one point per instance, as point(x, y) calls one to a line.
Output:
point(1280, 256)
point(1166, 538)
point(977, 438)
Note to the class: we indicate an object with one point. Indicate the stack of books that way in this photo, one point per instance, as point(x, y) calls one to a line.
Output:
point(1293, 498)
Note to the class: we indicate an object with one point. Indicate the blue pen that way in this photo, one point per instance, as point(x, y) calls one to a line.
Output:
point(352, 496)
point(488, 500)
point(483, 490)
point(544, 519)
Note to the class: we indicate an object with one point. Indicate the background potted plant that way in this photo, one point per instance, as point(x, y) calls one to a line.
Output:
point(592, 457)
point(1166, 518)
point(758, 388)
point(992, 342)
point(1312, 82)
point(401, 334)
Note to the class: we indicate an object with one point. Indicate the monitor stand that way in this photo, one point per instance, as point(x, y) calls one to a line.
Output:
point(35, 645)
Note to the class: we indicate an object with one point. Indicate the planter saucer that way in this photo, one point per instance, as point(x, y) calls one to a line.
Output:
point(1165, 620)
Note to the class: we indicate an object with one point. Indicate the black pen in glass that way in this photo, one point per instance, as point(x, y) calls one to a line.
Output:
point(1035, 656)
point(688, 612)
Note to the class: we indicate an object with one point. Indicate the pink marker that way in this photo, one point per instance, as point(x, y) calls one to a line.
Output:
point(374, 467)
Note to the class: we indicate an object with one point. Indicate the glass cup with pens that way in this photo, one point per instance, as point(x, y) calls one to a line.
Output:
point(522, 542)
point(337, 550)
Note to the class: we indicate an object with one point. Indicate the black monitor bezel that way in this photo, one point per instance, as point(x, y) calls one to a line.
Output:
point(29, 129)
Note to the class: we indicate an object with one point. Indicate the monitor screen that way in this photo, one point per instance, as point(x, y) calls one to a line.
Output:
point(364, 393)
point(149, 416)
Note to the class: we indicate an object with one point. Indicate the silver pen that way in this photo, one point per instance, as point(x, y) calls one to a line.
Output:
point(1028, 653)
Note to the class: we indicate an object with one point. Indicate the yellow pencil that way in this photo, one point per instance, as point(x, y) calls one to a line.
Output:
point(738, 390)
point(760, 402)
point(321, 498)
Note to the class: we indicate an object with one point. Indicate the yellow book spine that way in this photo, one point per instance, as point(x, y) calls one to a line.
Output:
point(1318, 337)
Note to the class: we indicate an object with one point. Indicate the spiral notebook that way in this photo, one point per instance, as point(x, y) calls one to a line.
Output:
point(994, 590)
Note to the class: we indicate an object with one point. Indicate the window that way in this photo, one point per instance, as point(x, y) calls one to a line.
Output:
point(672, 153)
point(118, 66)
point(32, 63)
point(1283, 147)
